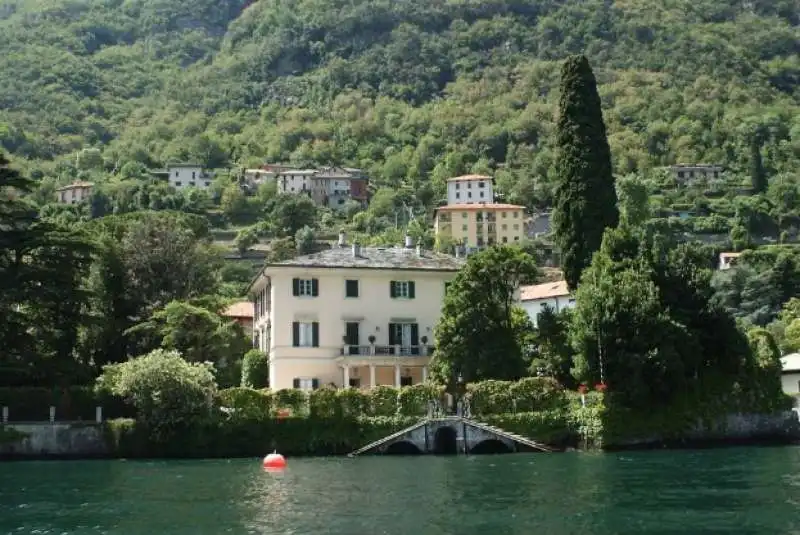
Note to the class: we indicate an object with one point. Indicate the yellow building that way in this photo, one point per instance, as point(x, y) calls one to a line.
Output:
point(350, 316)
point(480, 225)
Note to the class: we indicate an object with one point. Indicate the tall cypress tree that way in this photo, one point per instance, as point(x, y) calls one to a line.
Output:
point(585, 199)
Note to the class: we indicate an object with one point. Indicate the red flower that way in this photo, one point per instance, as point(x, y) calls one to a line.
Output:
point(582, 389)
point(601, 387)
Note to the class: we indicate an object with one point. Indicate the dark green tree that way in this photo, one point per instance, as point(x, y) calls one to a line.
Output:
point(758, 175)
point(482, 334)
point(585, 199)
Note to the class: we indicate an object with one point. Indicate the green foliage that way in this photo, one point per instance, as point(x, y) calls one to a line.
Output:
point(167, 391)
point(414, 400)
point(585, 199)
point(527, 395)
point(324, 403)
point(10, 436)
point(255, 369)
point(481, 333)
point(75, 403)
point(292, 399)
point(245, 239)
point(383, 401)
point(246, 402)
point(553, 354)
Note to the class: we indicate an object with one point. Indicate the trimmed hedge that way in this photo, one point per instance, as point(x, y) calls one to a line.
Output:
point(327, 402)
point(508, 397)
point(76, 403)
point(251, 437)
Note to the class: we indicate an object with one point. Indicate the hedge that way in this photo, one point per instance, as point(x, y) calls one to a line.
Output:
point(251, 437)
point(75, 403)
point(508, 397)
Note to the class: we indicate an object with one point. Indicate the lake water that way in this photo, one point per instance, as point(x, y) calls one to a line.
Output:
point(742, 491)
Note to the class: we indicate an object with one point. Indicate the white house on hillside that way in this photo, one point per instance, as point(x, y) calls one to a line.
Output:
point(552, 294)
point(790, 375)
point(184, 175)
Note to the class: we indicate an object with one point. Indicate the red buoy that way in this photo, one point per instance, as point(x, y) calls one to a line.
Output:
point(274, 460)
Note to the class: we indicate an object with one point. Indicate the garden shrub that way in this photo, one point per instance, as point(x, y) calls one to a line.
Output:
point(324, 403)
point(247, 402)
point(293, 399)
point(255, 369)
point(413, 400)
point(383, 401)
point(353, 402)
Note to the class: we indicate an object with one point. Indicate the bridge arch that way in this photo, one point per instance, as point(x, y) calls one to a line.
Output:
point(445, 441)
point(402, 447)
point(490, 446)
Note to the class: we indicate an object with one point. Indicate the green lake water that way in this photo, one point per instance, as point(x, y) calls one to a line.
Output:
point(738, 490)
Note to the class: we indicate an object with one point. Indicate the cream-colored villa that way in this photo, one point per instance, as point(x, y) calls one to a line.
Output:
point(350, 316)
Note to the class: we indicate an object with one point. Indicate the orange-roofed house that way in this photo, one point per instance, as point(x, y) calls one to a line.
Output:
point(480, 225)
point(555, 295)
point(242, 313)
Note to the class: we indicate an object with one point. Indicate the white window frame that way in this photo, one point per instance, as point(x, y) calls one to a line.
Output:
point(305, 288)
point(306, 383)
point(306, 334)
point(402, 289)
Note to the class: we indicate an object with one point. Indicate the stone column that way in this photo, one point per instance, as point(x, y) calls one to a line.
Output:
point(346, 375)
point(372, 376)
point(98, 414)
point(5, 415)
point(424, 373)
point(397, 375)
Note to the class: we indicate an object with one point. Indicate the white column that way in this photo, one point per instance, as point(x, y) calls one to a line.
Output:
point(52, 414)
point(98, 414)
point(372, 376)
point(346, 375)
point(424, 373)
point(397, 375)
point(5, 415)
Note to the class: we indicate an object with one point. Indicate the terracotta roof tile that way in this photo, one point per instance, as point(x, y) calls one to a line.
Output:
point(543, 291)
point(242, 309)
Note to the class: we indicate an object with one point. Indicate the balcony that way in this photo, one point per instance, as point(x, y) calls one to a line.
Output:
point(387, 351)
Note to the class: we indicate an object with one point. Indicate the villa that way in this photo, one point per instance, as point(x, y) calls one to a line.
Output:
point(350, 315)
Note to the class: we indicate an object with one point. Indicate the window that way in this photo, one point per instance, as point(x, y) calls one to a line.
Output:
point(446, 287)
point(177, 184)
point(464, 228)
point(404, 335)
point(469, 194)
point(351, 288)
point(191, 184)
point(458, 195)
point(504, 227)
point(480, 242)
point(505, 239)
point(194, 175)
point(305, 287)
point(304, 383)
point(458, 186)
point(401, 289)
point(481, 195)
point(208, 183)
point(464, 215)
point(355, 382)
point(405, 381)
point(516, 226)
point(305, 334)
point(176, 174)
point(503, 215)
point(481, 184)
point(469, 185)
point(516, 215)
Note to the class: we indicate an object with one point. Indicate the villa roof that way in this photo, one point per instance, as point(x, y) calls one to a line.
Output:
point(480, 206)
point(469, 177)
point(543, 291)
point(78, 184)
point(395, 258)
point(791, 362)
point(242, 309)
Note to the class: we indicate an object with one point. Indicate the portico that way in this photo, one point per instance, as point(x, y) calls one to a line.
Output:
point(365, 373)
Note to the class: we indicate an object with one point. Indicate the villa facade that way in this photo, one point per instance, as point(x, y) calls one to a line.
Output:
point(350, 316)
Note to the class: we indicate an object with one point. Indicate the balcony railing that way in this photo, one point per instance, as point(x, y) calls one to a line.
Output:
point(387, 351)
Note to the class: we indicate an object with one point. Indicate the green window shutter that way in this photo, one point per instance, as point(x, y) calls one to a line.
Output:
point(315, 383)
point(392, 340)
point(296, 334)
point(296, 382)
point(315, 334)
point(411, 290)
point(295, 287)
point(314, 287)
point(414, 334)
point(392, 290)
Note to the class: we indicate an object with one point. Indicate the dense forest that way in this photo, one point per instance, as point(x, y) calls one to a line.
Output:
point(411, 91)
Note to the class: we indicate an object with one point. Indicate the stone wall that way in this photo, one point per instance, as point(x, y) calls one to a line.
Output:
point(57, 440)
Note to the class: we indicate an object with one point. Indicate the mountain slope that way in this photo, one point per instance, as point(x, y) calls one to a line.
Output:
point(410, 90)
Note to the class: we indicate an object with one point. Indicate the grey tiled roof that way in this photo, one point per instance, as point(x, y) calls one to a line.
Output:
point(376, 258)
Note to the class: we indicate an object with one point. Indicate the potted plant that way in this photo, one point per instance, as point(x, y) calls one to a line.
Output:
point(371, 338)
point(424, 340)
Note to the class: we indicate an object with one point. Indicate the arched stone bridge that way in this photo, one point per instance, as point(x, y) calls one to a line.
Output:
point(453, 435)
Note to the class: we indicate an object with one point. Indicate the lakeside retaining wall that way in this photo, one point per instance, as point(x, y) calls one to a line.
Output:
point(52, 440)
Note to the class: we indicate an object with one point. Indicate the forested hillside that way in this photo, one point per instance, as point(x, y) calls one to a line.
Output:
point(412, 91)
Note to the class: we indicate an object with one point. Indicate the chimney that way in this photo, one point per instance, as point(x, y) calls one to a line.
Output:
point(342, 239)
point(356, 250)
point(409, 242)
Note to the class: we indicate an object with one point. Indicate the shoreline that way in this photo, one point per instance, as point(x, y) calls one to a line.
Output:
point(764, 441)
